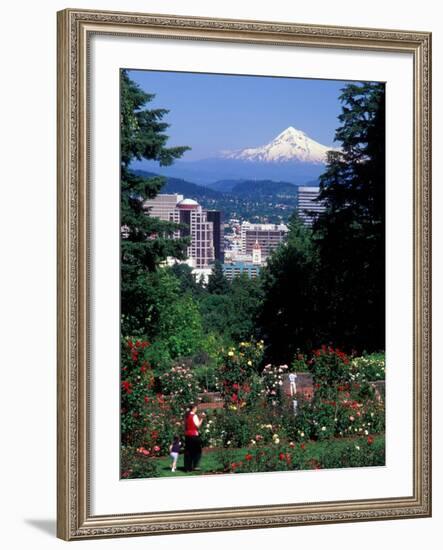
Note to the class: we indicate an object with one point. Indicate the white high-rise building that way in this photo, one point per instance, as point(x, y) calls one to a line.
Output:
point(308, 207)
point(175, 208)
point(164, 207)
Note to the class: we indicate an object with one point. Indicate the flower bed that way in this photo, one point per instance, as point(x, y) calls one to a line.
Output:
point(253, 409)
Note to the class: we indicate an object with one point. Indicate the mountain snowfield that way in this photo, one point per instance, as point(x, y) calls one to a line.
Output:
point(290, 157)
point(290, 145)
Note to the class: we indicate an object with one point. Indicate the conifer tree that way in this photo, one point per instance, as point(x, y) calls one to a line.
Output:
point(217, 282)
point(145, 241)
point(350, 234)
point(288, 313)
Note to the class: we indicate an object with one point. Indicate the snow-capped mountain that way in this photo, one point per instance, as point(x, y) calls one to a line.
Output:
point(291, 145)
point(291, 157)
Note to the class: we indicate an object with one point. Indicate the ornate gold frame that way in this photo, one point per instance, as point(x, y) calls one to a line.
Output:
point(75, 28)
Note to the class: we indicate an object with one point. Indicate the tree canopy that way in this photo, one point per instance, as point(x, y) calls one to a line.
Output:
point(350, 234)
point(288, 315)
point(145, 241)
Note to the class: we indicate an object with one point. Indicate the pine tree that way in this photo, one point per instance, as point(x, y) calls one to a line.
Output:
point(217, 282)
point(288, 313)
point(350, 235)
point(145, 241)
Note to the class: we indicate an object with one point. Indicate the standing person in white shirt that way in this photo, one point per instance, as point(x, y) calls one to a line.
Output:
point(292, 385)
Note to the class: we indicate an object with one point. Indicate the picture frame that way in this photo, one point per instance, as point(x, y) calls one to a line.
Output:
point(76, 518)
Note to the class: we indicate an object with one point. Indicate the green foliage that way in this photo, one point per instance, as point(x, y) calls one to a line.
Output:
point(181, 387)
point(272, 377)
point(368, 367)
point(142, 130)
point(173, 322)
point(134, 464)
point(180, 327)
point(233, 314)
point(207, 377)
point(246, 298)
point(217, 282)
point(350, 234)
point(216, 311)
point(136, 386)
point(237, 372)
point(145, 240)
point(299, 363)
point(288, 314)
point(366, 451)
point(188, 282)
point(329, 367)
point(235, 429)
point(347, 453)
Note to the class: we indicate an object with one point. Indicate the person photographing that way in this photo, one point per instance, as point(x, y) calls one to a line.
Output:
point(193, 446)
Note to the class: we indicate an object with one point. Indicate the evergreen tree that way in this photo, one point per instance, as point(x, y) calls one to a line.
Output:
point(246, 298)
point(217, 282)
point(288, 315)
point(350, 235)
point(188, 282)
point(145, 241)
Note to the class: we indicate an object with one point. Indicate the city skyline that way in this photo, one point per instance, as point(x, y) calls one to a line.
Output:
point(243, 250)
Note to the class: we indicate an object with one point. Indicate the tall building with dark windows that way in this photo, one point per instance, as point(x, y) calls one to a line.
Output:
point(216, 217)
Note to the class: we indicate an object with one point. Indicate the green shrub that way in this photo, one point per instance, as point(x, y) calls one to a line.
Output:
point(234, 429)
point(368, 368)
point(135, 464)
point(331, 453)
point(272, 377)
point(239, 365)
point(207, 377)
point(181, 387)
point(136, 386)
point(329, 367)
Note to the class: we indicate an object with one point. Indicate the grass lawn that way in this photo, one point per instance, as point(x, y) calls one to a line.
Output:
point(208, 464)
point(317, 450)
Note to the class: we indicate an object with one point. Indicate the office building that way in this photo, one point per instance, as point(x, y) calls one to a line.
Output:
point(175, 208)
point(308, 207)
point(236, 269)
point(216, 218)
point(266, 236)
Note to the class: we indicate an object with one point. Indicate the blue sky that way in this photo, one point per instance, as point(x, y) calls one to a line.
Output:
point(211, 112)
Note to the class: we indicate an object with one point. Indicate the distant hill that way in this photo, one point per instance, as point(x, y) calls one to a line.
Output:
point(208, 171)
point(264, 188)
point(224, 186)
point(183, 187)
point(251, 200)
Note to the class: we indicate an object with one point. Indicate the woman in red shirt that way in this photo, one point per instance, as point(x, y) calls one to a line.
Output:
point(193, 446)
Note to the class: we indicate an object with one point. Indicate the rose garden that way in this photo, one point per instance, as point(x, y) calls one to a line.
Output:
point(251, 422)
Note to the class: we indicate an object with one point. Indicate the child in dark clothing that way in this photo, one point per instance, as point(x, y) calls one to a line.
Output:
point(174, 450)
